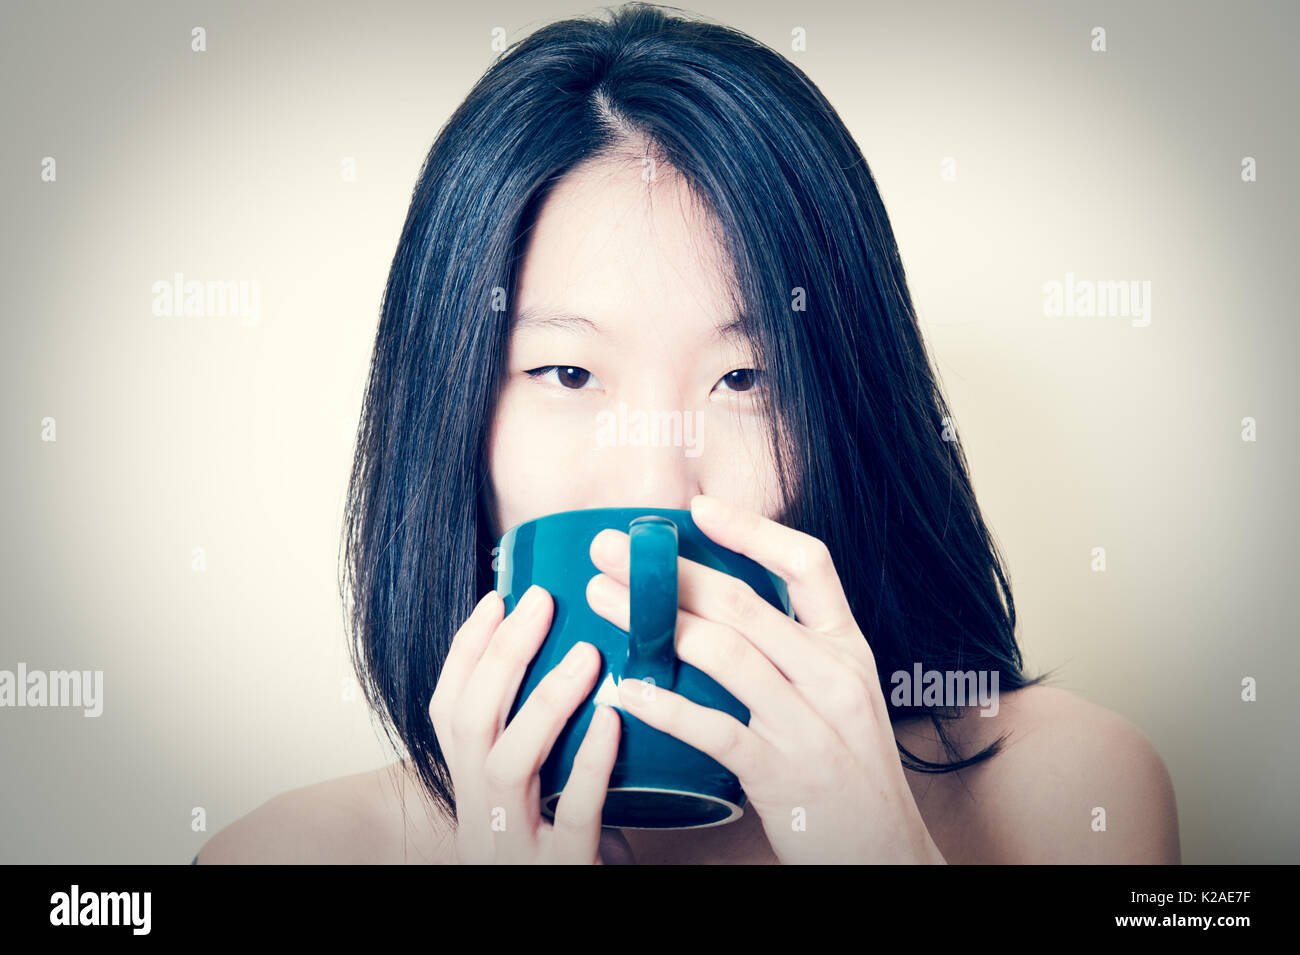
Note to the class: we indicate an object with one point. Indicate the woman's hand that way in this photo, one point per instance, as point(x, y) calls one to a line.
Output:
point(494, 767)
point(818, 760)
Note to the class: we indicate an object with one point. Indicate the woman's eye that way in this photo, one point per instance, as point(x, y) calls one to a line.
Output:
point(742, 379)
point(567, 376)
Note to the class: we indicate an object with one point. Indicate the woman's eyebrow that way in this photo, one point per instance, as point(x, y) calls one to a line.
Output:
point(537, 316)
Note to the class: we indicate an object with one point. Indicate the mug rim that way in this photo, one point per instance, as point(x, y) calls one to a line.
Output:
point(590, 510)
point(549, 802)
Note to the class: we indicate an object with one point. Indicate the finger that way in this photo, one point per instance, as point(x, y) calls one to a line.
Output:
point(480, 714)
point(575, 831)
point(466, 648)
point(711, 594)
point(484, 705)
point(511, 768)
point(816, 594)
point(777, 706)
point(711, 731)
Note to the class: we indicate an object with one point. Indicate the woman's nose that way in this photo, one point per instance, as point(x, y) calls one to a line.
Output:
point(650, 459)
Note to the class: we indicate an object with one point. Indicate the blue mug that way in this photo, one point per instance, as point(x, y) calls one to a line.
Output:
point(658, 781)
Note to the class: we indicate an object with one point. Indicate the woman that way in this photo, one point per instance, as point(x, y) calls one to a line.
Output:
point(655, 213)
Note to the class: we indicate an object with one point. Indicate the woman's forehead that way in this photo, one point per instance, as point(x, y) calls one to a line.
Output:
point(607, 244)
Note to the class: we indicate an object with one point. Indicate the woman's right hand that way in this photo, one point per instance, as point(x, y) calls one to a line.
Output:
point(494, 767)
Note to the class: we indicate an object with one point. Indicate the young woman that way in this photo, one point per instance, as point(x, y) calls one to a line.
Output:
point(659, 214)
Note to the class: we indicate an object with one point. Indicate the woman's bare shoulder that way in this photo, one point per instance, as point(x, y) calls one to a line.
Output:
point(1071, 782)
point(351, 820)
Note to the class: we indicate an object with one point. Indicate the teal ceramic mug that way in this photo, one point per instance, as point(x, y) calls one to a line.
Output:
point(658, 781)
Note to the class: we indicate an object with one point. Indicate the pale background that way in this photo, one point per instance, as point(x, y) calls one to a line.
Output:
point(226, 687)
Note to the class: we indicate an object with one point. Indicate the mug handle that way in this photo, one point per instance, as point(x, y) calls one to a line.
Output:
point(652, 572)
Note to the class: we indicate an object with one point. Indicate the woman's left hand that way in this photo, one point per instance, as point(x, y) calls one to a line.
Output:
point(818, 760)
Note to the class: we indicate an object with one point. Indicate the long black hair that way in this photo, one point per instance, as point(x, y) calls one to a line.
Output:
point(864, 444)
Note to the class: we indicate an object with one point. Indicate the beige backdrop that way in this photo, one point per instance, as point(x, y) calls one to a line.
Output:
point(225, 674)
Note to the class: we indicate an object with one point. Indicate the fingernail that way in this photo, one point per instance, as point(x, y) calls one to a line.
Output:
point(707, 507)
point(631, 690)
point(602, 588)
point(530, 604)
point(484, 601)
point(575, 659)
point(613, 547)
point(608, 720)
